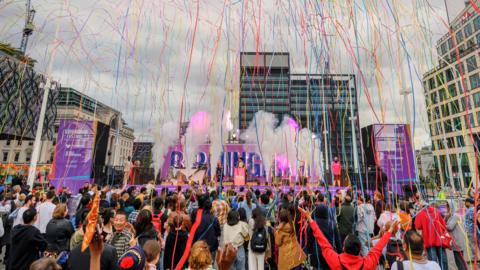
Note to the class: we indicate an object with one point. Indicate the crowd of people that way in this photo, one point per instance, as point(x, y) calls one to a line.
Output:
point(199, 228)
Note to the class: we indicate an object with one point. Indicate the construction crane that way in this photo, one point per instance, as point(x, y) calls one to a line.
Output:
point(28, 29)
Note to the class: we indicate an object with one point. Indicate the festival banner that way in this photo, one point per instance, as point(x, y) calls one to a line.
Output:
point(74, 153)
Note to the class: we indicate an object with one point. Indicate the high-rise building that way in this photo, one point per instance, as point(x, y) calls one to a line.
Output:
point(264, 85)
point(324, 103)
point(453, 103)
point(327, 105)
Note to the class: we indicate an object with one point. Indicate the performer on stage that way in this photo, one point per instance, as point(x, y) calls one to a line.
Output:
point(240, 173)
point(337, 172)
point(127, 168)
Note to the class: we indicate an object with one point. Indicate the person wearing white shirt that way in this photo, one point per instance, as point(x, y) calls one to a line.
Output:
point(18, 213)
point(413, 245)
point(365, 222)
point(45, 212)
point(386, 216)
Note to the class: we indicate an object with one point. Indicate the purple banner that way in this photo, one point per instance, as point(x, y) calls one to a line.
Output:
point(394, 152)
point(74, 152)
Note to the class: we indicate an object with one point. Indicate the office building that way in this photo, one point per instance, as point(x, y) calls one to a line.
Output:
point(264, 85)
point(425, 164)
point(73, 105)
point(453, 104)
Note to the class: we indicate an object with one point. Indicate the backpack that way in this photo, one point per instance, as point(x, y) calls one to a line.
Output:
point(258, 243)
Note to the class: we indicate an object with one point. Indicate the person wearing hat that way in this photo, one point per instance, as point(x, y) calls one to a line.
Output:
point(133, 259)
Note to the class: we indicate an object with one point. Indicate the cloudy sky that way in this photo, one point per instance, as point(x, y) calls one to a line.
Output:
point(148, 59)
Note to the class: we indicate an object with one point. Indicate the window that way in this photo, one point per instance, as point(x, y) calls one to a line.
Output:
point(449, 74)
point(460, 141)
point(434, 97)
point(458, 71)
point(457, 124)
point(459, 36)
point(452, 90)
point(478, 39)
point(455, 107)
point(28, 156)
point(19, 142)
point(468, 118)
point(448, 126)
point(450, 143)
point(440, 145)
point(442, 94)
point(431, 83)
point(471, 64)
point(476, 23)
point(476, 99)
point(464, 100)
point(5, 157)
point(440, 78)
point(443, 48)
point(30, 143)
point(474, 81)
point(468, 30)
point(450, 43)
point(8, 142)
point(17, 156)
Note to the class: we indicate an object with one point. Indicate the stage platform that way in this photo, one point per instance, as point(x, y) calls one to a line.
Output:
point(262, 188)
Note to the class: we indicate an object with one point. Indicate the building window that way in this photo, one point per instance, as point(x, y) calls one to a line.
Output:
point(440, 78)
point(474, 81)
point(30, 143)
point(19, 142)
point(450, 43)
point(5, 157)
point(476, 23)
point(434, 97)
point(468, 30)
point(468, 118)
point(449, 74)
point(448, 126)
point(454, 107)
point(431, 83)
point(459, 36)
point(471, 63)
point(442, 94)
point(452, 90)
point(17, 156)
point(476, 99)
point(445, 110)
point(460, 141)
point(457, 124)
point(8, 142)
point(28, 156)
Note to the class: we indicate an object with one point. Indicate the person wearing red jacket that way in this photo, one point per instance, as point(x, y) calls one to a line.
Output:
point(350, 258)
point(433, 227)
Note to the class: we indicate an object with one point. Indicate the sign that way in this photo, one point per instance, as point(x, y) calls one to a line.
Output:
point(174, 159)
point(74, 153)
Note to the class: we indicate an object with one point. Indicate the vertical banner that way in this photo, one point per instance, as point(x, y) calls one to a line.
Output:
point(74, 153)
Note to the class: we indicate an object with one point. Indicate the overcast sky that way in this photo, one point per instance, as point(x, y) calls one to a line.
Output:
point(142, 56)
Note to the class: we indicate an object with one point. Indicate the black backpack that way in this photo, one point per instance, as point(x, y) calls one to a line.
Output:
point(395, 253)
point(258, 243)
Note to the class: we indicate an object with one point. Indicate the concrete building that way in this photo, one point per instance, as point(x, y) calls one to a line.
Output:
point(452, 94)
point(425, 164)
point(72, 105)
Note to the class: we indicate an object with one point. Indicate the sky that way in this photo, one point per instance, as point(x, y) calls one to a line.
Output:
point(162, 61)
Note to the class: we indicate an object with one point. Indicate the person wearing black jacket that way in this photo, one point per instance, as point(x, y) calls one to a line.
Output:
point(209, 228)
point(59, 230)
point(327, 225)
point(27, 242)
point(175, 243)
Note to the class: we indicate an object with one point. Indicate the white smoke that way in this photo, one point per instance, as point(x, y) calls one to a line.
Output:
point(197, 134)
point(284, 140)
point(164, 136)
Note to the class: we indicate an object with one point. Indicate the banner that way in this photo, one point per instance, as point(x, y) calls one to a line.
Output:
point(74, 153)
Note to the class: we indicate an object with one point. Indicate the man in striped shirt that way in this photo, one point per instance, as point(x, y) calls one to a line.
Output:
point(122, 237)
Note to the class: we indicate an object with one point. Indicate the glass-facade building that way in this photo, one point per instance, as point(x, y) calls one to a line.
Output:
point(264, 85)
point(453, 104)
point(324, 103)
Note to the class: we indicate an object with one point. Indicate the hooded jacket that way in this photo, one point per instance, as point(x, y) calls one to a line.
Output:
point(27, 243)
point(58, 233)
point(432, 225)
point(290, 254)
point(348, 261)
point(329, 228)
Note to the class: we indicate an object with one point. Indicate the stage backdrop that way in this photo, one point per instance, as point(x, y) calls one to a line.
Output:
point(174, 159)
point(74, 153)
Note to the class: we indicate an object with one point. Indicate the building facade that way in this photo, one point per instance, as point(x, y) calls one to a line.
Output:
point(452, 94)
point(264, 85)
point(425, 164)
point(73, 105)
point(324, 103)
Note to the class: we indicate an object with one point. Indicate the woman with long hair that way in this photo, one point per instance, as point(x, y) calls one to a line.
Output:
point(257, 224)
point(290, 254)
point(235, 232)
point(144, 229)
